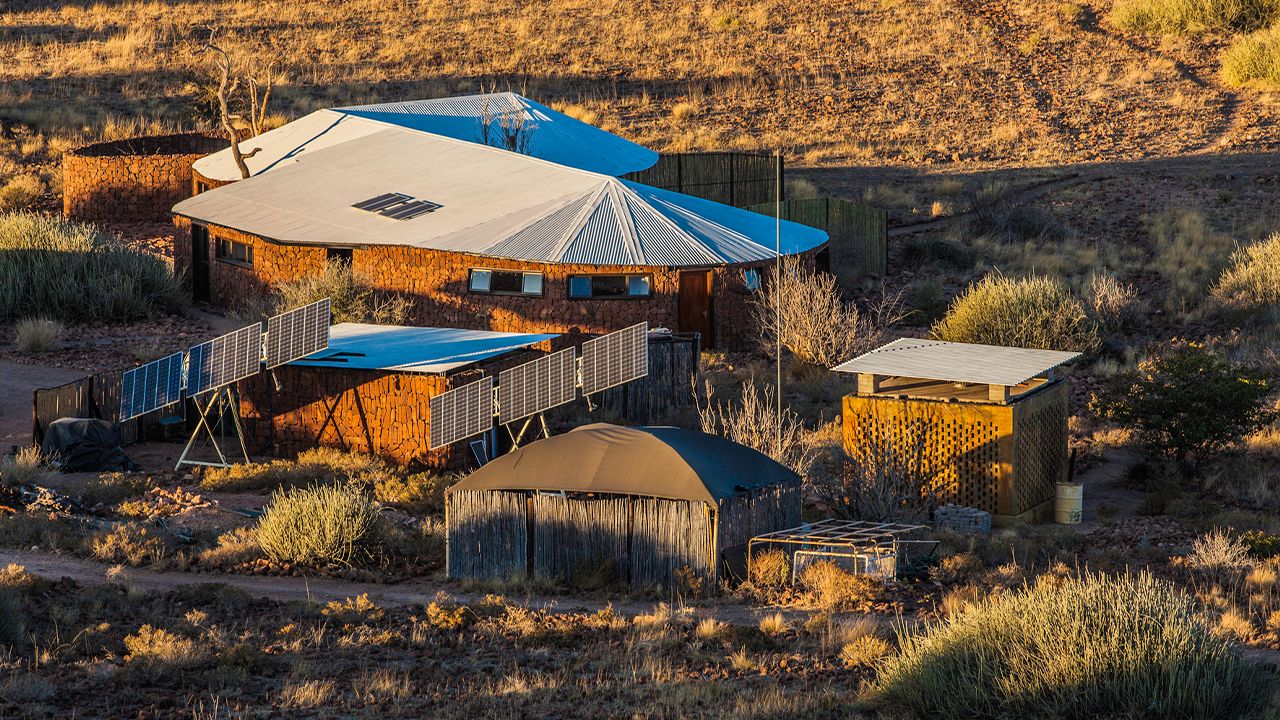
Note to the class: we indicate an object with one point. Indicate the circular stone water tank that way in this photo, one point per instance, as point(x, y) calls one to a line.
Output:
point(132, 180)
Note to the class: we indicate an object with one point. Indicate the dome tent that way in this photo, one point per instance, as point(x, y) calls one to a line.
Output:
point(652, 501)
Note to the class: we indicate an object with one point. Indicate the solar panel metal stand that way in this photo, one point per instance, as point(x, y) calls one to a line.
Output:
point(223, 400)
point(543, 430)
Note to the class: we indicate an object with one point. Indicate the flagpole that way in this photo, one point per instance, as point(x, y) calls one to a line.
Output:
point(777, 310)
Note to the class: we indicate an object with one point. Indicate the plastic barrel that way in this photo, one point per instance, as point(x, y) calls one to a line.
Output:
point(1068, 503)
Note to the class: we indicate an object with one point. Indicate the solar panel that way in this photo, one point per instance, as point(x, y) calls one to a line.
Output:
point(535, 386)
point(151, 386)
point(385, 200)
point(461, 412)
point(616, 358)
point(297, 333)
point(411, 210)
point(224, 360)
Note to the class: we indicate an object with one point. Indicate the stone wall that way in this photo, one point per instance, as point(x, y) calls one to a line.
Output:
point(438, 283)
point(376, 412)
point(133, 180)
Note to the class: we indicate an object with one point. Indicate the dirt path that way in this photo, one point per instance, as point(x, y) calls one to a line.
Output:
point(17, 383)
point(323, 589)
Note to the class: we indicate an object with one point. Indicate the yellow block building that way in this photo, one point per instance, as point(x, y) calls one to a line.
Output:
point(987, 424)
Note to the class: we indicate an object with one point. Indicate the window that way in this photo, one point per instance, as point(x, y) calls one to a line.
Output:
point(342, 255)
point(505, 282)
point(201, 186)
point(235, 252)
point(609, 286)
point(751, 279)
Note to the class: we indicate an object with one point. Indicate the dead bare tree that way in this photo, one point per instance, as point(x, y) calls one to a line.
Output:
point(258, 91)
point(507, 129)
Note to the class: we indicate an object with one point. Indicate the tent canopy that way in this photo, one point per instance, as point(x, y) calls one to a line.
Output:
point(665, 462)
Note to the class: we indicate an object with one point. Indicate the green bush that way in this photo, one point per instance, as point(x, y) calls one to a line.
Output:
point(1252, 281)
point(1093, 646)
point(352, 296)
point(68, 271)
point(1034, 312)
point(1188, 402)
point(1186, 17)
point(322, 525)
point(1254, 60)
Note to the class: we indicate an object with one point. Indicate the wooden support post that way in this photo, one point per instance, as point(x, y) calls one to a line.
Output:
point(998, 394)
point(868, 384)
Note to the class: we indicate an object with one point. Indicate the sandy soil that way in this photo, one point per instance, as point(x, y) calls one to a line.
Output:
point(17, 383)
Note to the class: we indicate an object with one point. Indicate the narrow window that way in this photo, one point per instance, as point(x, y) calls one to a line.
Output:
point(505, 282)
point(234, 252)
point(610, 286)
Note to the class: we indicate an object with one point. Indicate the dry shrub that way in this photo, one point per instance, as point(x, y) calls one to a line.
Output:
point(1218, 550)
point(1252, 280)
point(131, 544)
point(1034, 312)
point(1018, 654)
point(770, 570)
point(889, 474)
point(13, 626)
point(865, 651)
point(1187, 17)
point(1114, 304)
point(806, 311)
point(21, 689)
point(957, 568)
point(316, 465)
point(1189, 253)
point(773, 625)
point(20, 192)
point(111, 488)
point(709, 629)
point(958, 600)
point(321, 525)
point(835, 588)
point(354, 609)
point(446, 616)
point(353, 296)
point(756, 423)
point(233, 548)
point(23, 468)
point(38, 335)
point(161, 648)
point(417, 493)
point(1254, 60)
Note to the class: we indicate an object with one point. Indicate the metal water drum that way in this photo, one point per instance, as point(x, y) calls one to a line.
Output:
point(1068, 504)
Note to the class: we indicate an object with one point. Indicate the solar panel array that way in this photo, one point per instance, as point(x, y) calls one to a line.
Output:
point(397, 206)
point(297, 333)
point(224, 360)
point(616, 358)
point(151, 386)
point(536, 386)
point(461, 412)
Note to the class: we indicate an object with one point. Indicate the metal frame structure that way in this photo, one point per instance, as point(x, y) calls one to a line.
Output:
point(856, 540)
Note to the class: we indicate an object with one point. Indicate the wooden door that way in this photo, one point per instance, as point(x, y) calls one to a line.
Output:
point(199, 263)
point(695, 307)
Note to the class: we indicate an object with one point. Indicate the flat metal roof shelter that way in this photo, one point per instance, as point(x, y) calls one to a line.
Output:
point(413, 349)
point(1008, 371)
point(488, 202)
point(551, 136)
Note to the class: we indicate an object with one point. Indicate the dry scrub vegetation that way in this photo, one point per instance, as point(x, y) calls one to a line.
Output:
point(850, 80)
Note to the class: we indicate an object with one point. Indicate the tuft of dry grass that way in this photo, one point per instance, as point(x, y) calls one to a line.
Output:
point(159, 647)
point(129, 543)
point(709, 629)
point(308, 694)
point(770, 569)
point(1190, 253)
point(1252, 280)
point(315, 465)
point(774, 625)
point(20, 192)
point(1190, 17)
point(1254, 60)
point(834, 588)
point(865, 651)
point(23, 468)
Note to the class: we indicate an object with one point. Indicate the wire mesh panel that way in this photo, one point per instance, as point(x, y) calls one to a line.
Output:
point(461, 413)
point(151, 386)
point(616, 358)
point(536, 386)
point(298, 333)
point(224, 360)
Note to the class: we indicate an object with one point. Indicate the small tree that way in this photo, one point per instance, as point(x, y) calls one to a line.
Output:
point(755, 423)
point(506, 129)
point(1189, 402)
point(257, 94)
point(889, 474)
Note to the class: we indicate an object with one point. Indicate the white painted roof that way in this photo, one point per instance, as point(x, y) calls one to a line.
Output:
point(957, 362)
point(552, 135)
point(493, 203)
point(413, 349)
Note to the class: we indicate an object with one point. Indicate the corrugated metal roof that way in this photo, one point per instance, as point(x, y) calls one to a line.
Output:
point(493, 203)
point(957, 362)
point(413, 349)
point(553, 136)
